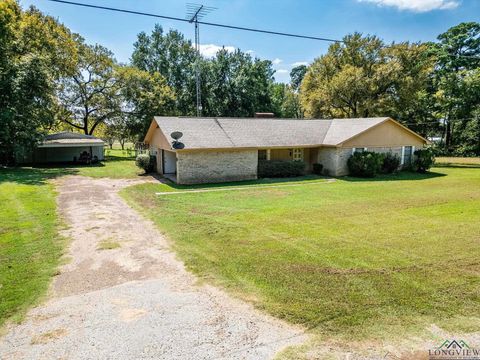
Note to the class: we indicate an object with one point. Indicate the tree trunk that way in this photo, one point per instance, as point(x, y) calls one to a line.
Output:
point(448, 136)
point(122, 144)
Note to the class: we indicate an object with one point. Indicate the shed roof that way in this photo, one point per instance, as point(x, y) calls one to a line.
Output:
point(69, 139)
point(213, 133)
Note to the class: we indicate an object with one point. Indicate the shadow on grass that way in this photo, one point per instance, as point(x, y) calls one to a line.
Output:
point(265, 181)
point(402, 175)
point(33, 175)
point(39, 174)
point(457, 165)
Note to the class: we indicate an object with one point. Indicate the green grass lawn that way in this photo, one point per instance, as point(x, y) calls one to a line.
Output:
point(349, 259)
point(30, 247)
point(118, 164)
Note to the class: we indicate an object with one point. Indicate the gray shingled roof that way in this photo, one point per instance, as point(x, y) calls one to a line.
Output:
point(211, 133)
point(67, 138)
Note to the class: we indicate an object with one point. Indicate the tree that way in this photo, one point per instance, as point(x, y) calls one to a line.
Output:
point(286, 102)
point(173, 57)
point(235, 84)
point(29, 65)
point(91, 95)
point(296, 76)
point(144, 95)
point(363, 77)
point(458, 59)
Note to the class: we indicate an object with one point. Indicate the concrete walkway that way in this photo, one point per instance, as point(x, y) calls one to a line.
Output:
point(124, 295)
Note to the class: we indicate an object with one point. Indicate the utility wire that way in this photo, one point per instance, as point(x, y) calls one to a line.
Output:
point(242, 28)
point(200, 22)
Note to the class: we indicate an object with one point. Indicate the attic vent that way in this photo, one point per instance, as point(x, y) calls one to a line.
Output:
point(264, 115)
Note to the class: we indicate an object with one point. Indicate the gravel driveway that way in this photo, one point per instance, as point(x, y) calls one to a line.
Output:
point(133, 299)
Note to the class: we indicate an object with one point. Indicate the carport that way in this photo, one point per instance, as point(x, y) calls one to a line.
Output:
point(69, 147)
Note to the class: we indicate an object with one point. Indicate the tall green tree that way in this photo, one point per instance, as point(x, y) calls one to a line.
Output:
point(91, 95)
point(456, 79)
point(286, 102)
point(144, 95)
point(364, 77)
point(173, 57)
point(235, 84)
point(296, 76)
point(29, 66)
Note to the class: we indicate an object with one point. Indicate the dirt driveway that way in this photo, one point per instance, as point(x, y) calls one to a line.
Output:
point(124, 295)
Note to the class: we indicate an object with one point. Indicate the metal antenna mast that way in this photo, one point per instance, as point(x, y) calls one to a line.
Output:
point(196, 12)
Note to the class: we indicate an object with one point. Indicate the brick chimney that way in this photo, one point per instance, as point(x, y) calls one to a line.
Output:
point(264, 115)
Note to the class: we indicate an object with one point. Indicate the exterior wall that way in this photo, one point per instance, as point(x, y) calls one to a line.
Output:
point(158, 141)
point(285, 154)
point(394, 150)
point(64, 154)
point(280, 154)
point(387, 134)
point(334, 160)
point(195, 167)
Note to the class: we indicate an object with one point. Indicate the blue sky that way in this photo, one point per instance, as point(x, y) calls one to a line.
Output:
point(392, 20)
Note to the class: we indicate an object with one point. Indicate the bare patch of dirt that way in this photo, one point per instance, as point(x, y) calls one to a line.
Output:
point(48, 336)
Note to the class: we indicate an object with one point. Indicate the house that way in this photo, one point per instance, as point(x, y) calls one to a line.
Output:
point(228, 149)
point(66, 147)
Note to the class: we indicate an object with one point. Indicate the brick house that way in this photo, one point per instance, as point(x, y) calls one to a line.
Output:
point(228, 149)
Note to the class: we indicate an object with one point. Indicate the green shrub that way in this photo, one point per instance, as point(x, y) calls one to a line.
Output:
point(280, 168)
point(144, 161)
point(424, 159)
point(365, 164)
point(391, 163)
point(317, 169)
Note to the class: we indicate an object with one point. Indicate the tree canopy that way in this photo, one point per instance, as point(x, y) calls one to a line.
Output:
point(30, 64)
point(58, 81)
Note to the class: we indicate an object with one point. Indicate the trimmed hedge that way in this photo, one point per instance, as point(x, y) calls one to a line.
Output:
point(145, 162)
point(280, 168)
point(424, 159)
point(391, 163)
point(365, 164)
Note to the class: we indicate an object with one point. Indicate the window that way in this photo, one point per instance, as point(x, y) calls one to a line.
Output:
point(359, 150)
point(297, 154)
point(407, 155)
point(262, 154)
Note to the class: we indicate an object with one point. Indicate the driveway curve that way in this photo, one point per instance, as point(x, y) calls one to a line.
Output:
point(124, 295)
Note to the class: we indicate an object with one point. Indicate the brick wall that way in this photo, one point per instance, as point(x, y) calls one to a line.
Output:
point(195, 167)
point(334, 160)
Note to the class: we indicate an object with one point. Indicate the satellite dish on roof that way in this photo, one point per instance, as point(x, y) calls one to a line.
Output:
point(176, 135)
point(178, 145)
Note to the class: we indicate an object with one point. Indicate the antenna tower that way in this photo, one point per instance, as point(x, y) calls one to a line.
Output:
point(196, 12)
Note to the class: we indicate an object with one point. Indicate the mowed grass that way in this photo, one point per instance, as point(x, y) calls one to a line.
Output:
point(118, 164)
point(352, 259)
point(30, 247)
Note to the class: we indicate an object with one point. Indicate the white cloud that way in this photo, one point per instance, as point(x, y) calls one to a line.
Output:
point(282, 71)
point(298, 63)
point(210, 50)
point(251, 52)
point(417, 5)
point(277, 61)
